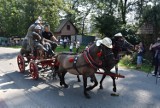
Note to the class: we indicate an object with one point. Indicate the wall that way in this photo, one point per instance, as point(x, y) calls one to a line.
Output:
point(72, 30)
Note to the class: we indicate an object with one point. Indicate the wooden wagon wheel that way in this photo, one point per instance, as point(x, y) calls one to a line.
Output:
point(21, 63)
point(34, 70)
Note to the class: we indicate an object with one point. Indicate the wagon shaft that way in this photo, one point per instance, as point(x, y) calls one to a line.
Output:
point(112, 74)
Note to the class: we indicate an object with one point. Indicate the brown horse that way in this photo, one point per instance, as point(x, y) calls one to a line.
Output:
point(85, 64)
point(119, 46)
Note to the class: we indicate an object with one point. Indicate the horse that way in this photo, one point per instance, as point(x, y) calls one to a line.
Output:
point(119, 45)
point(85, 64)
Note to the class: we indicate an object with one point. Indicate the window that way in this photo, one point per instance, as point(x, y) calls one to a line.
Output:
point(68, 27)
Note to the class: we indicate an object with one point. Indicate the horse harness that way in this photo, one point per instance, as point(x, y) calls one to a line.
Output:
point(75, 62)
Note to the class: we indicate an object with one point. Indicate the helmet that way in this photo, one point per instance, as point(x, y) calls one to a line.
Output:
point(37, 22)
point(40, 18)
point(118, 35)
point(38, 27)
point(105, 41)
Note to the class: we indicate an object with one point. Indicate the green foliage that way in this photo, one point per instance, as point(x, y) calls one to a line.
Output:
point(17, 15)
point(107, 24)
point(130, 62)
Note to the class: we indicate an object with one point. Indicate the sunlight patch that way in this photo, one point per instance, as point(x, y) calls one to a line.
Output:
point(61, 93)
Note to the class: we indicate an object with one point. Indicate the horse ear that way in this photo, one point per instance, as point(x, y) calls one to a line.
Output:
point(98, 43)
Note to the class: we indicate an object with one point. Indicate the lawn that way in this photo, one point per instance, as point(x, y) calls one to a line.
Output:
point(61, 49)
point(127, 62)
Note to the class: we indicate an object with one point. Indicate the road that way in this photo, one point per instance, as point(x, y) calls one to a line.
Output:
point(18, 90)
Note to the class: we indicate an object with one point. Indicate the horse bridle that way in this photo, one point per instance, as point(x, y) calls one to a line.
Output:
point(90, 59)
point(123, 44)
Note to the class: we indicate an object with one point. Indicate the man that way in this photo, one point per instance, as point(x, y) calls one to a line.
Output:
point(156, 48)
point(25, 44)
point(47, 34)
point(50, 39)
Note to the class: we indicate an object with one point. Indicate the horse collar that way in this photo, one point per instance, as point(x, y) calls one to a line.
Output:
point(75, 62)
point(90, 60)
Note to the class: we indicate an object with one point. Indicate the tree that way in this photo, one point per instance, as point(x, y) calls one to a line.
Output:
point(17, 15)
point(107, 25)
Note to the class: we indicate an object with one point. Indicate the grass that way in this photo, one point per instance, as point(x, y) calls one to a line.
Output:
point(58, 49)
point(127, 62)
point(61, 49)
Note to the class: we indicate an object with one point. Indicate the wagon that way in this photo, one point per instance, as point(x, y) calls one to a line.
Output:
point(37, 64)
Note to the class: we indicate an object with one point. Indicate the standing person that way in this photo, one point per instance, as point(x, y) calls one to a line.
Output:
point(77, 46)
point(71, 47)
point(156, 48)
point(65, 43)
point(140, 51)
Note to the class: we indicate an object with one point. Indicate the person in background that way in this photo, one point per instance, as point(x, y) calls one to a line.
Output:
point(65, 43)
point(156, 48)
point(71, 47)
point(140, 50)
point(77, 46)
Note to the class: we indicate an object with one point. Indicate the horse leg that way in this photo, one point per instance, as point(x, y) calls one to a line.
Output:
point(85, 86)
point(101, 86)
point(114, 84)
point(62, 81)
point(95, 83)
point(116, 68)
point(78, 78)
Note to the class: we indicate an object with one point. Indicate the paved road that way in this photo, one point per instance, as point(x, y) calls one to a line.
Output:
point(20, 91)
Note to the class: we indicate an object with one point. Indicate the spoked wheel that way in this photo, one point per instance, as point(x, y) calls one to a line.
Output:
point(21, 63)
point(34, 70)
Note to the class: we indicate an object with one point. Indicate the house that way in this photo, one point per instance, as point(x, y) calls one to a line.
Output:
point(146, 33)
point(65, 30)
point(84, 40)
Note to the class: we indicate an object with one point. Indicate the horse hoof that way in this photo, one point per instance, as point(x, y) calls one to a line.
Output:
point(114, 89)
point(65, 86)
point(61, 83)
point(114, 94)
point(87, 96)
point(100, 87)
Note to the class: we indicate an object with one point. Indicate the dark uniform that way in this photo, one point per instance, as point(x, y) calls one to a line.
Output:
point(47, 35)
point(50, 46)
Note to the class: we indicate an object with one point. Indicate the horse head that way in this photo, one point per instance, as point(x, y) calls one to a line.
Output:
point(121, 44)
point(101, 51)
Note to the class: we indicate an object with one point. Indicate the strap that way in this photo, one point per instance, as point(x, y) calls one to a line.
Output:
point(74, 64)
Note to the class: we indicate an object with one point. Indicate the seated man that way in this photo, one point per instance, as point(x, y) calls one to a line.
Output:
point(50, 39)
point(25, 44)
point(36, 40)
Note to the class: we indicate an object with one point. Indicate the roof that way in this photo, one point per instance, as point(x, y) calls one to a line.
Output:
point(146, 28)
point(62, 24)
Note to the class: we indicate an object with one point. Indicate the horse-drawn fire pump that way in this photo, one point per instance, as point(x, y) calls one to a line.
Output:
point(86, 63)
